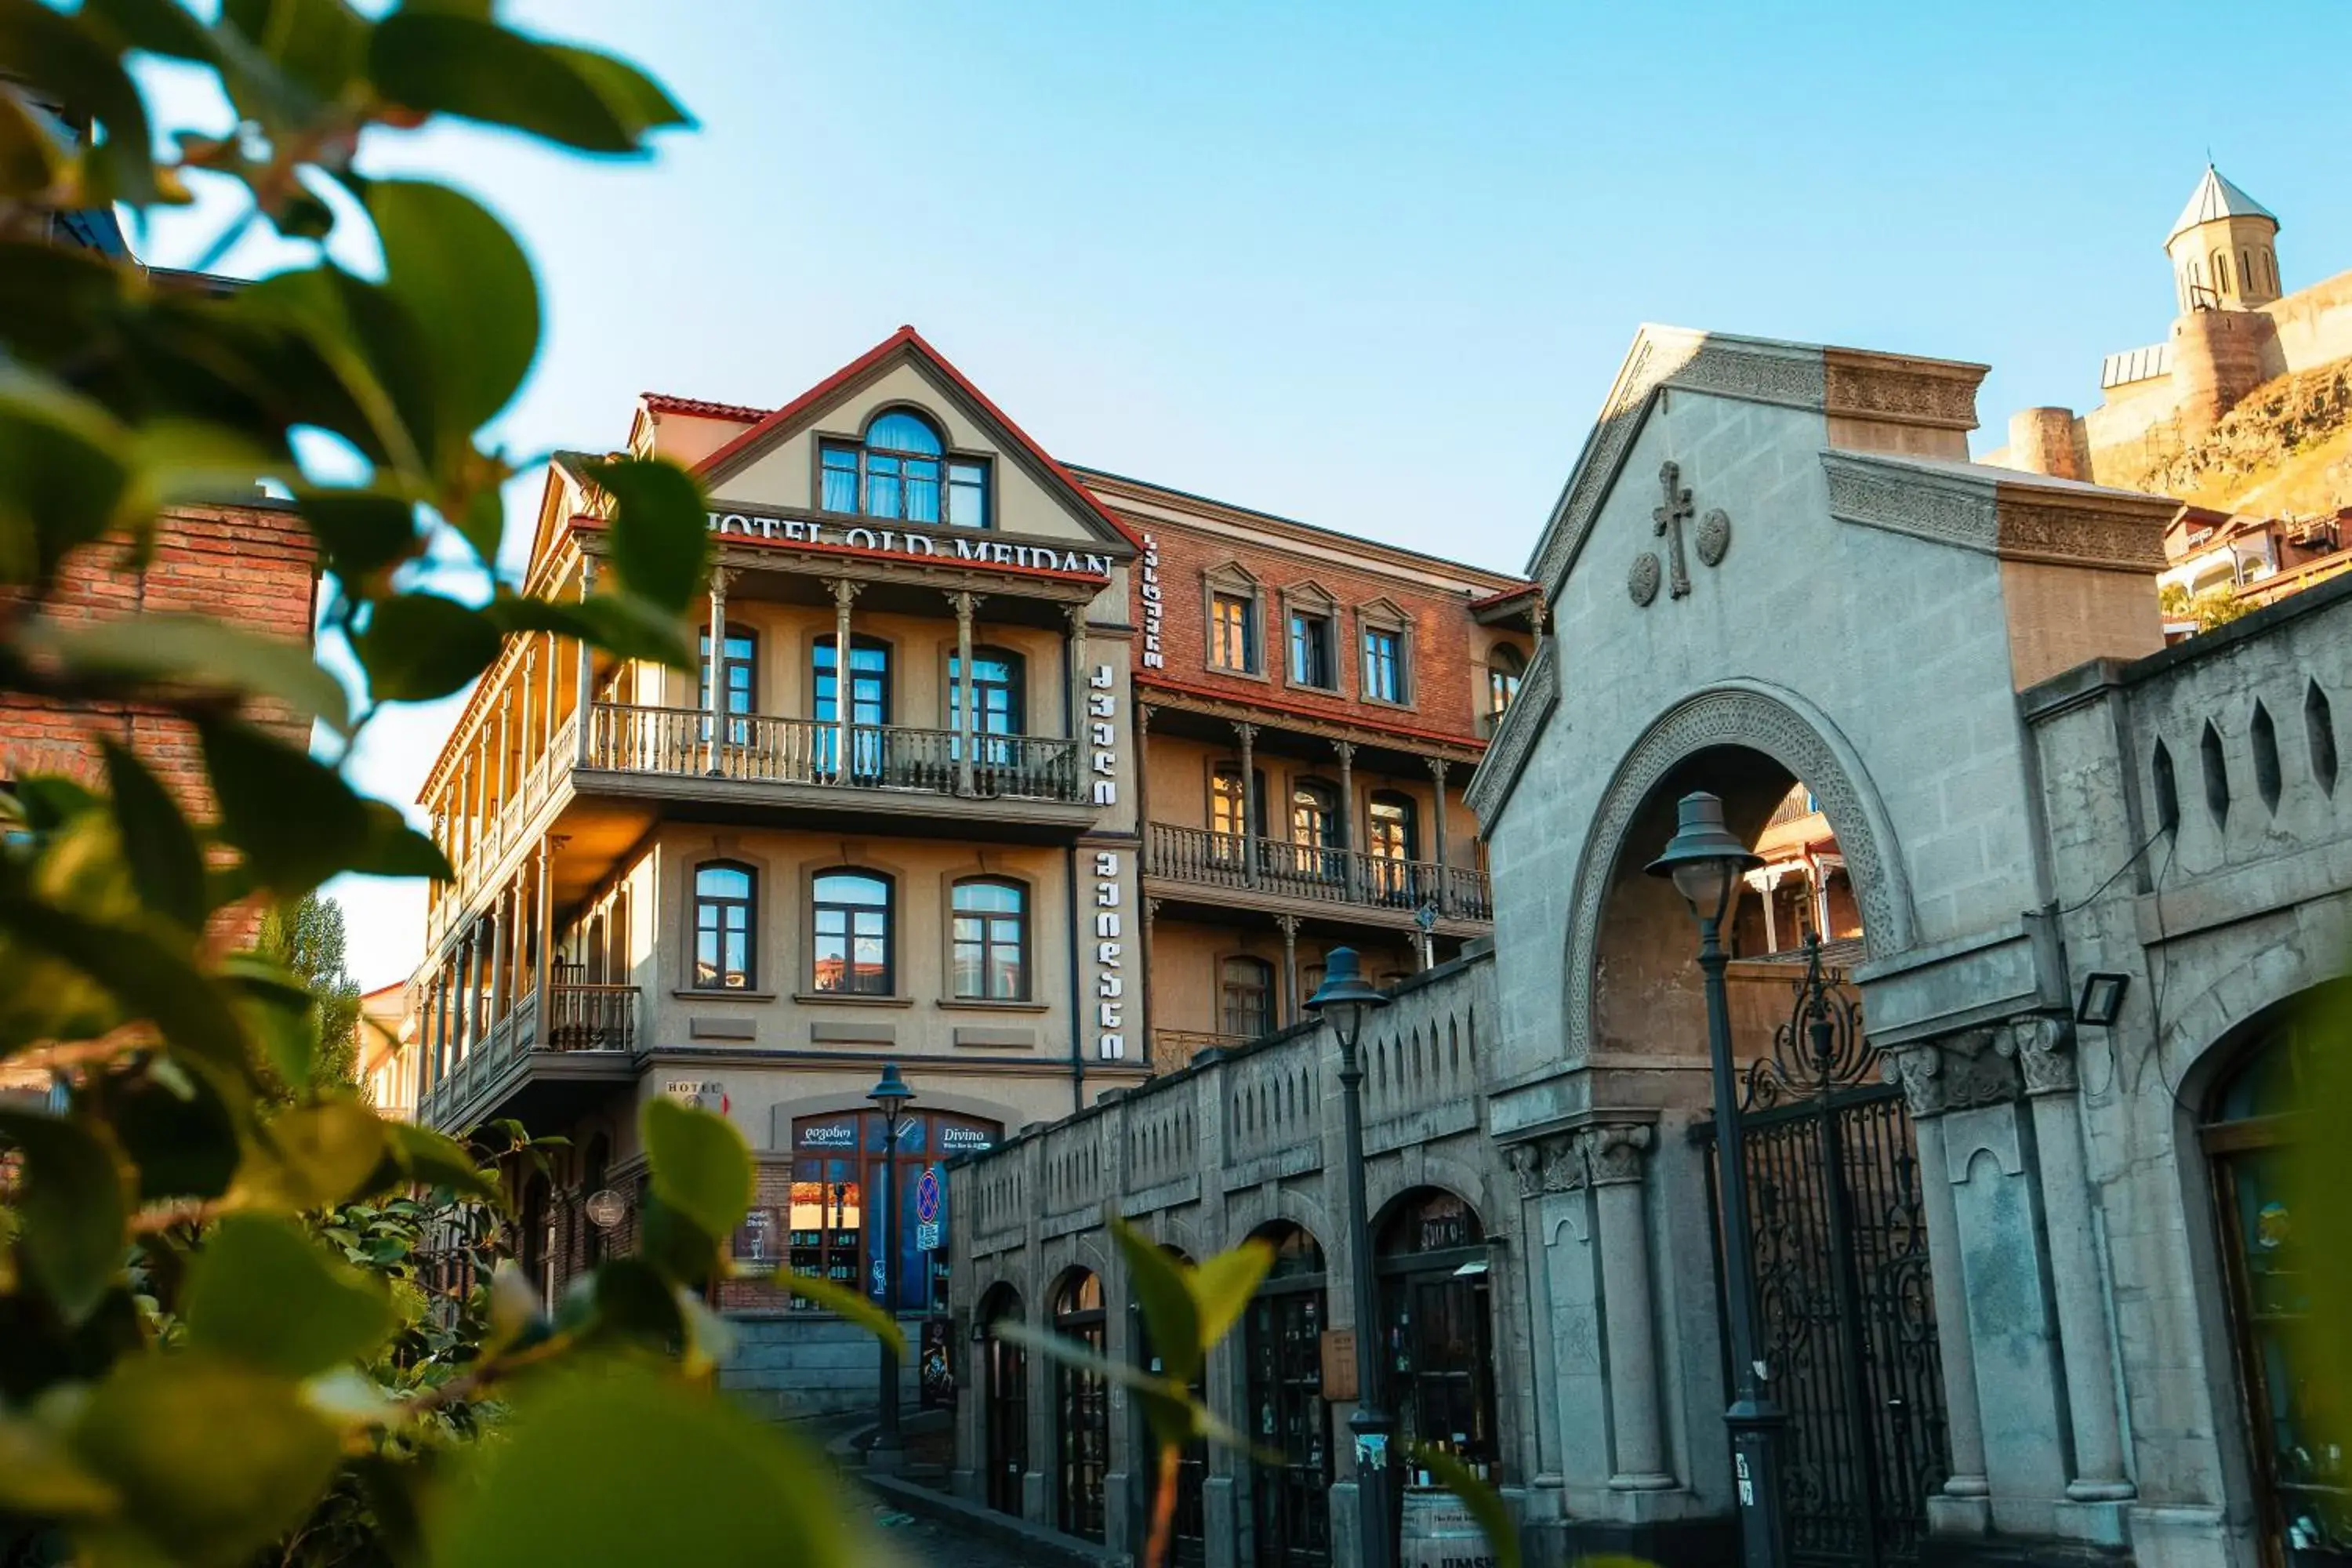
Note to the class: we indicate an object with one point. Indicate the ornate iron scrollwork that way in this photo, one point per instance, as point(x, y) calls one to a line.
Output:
point(1821, 1049)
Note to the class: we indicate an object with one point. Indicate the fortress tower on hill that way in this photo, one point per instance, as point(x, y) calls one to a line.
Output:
point(2235, 330)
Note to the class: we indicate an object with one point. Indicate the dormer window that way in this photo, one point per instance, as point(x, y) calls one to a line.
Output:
point(902, 472)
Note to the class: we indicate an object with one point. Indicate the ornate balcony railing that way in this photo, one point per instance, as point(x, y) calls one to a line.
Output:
point(591, 1019)
point(1284, 869)
point(760, 747)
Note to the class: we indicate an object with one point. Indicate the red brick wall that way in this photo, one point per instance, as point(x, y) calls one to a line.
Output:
point(1443, 677)
point(255, 566)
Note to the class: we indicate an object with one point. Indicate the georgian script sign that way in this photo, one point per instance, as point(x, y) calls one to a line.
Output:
point(961, 546)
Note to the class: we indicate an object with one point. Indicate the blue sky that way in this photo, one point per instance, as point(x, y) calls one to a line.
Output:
point(1372, 265)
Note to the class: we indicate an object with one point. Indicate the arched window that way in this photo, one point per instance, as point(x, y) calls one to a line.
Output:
point(738, 675)
point(1228, 803)
point(2256, 1118)
point(1004, 1385)
point(2221, 272)
point(991, 939)
point(1246, 990)
point(1081, 1410)
point(1314, 814)
point(1505, 667)
point(723, 911)
point(1281, 1338)
point(850, 920)
point(1431, 1261)
point(902, 472)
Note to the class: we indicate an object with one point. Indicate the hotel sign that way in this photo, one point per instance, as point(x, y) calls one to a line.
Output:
point(962, 546)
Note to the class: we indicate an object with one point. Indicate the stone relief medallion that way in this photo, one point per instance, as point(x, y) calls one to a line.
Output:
point(1713, 537)
point(1642, 581)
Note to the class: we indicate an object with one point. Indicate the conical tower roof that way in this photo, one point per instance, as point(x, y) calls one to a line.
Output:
point(2216, 197)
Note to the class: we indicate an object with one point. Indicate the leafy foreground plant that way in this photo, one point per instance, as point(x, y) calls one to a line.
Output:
point(241, 1317)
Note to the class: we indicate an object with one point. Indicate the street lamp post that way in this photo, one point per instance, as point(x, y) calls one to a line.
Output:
point(1346, 1000)
point(891, 1095)
point(1704, 862)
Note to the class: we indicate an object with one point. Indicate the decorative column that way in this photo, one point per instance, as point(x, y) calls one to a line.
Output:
point(714, 669)
point(545, 914)
point(547, 697)
point(501, 922)
point(584, 705)
point(1613, 1156)
point(845, 593)
point(1289, 924)
point(967, 723)
point(1438, 768)
point(532, 744)
point(443, 1007)
point(2042, 1048)
point(505, 778)
point(1248, 736)
point(1571, 1372)
point(1143, 712)
point(1075, 667)
point(469, 971)
point(1350, 838)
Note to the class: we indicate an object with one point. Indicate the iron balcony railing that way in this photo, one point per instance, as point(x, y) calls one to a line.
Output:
point(679, 742)
point(1345, 876)
point(591, 1019)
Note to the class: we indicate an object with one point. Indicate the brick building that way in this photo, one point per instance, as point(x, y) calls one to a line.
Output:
point(967, 782)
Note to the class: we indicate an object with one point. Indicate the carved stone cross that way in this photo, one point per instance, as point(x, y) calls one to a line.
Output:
point(1669, 518)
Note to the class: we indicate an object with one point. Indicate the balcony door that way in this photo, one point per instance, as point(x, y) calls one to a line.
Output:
point(1315, 832)
point(997, 704)
point(868, 706)
point(737, 678)
point(1392, 840)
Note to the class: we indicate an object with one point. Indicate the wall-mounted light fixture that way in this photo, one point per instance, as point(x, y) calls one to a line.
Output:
point(2103, 999)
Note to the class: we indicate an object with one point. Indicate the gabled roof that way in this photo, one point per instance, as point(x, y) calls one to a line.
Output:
point(666, 403)
point(2213, 199)
point(906, 344)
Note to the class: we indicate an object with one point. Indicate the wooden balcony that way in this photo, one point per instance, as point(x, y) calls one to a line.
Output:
point(1274, 873)
point(815, 764)
point(535, 1059)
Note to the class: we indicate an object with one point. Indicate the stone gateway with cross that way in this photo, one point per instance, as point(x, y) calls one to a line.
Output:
point(1712, 539)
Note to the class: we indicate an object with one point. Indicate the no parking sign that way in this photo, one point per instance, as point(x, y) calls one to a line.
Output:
point(927, 1209)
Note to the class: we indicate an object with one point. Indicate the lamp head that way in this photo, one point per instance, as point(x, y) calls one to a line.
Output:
point(1345, 997)
point(1703, 858)
point(892, 1093)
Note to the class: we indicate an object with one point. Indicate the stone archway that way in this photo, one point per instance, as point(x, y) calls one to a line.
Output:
point(1750, 716)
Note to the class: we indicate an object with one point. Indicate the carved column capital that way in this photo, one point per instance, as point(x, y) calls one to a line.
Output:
point(1438, 768)
point(843, 590)
point(1288, 926)
point(1614, 1152)
point(722, 579)
point(1953, 1072)
point(1552, 1163)
point(2042, 1046)
point(1244, 734)
point(1143, 712)
point(1345, 752)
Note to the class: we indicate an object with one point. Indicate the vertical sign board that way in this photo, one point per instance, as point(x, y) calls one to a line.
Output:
point(1154, 657)
point(1108, 868)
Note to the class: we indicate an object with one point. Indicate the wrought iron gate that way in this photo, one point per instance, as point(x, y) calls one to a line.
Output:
point(1847, 1314)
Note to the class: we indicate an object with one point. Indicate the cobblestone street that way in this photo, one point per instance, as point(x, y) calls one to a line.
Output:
point(926, 1543)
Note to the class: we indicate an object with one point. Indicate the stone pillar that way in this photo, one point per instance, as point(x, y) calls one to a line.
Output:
point(1350, 839)
point(2042, 1048)
point(1289, 924)
point(845, 594)
point(1572, 1378)
point(1438, 772)
point(1246, 734)
point(1613, 1155)
point(967, 723)
point(584, 678)
point(714, 669)
point(1968, 1089)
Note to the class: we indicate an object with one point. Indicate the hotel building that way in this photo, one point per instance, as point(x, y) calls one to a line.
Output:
point(1031, 779)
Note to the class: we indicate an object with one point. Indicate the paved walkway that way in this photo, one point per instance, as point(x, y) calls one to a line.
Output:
point(927, 1544)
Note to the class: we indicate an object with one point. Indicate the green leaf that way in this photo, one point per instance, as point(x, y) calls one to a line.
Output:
point(317, 44)
point(150, 977)
point(30, 161)
point(1222, 1285)
point(262, 1293)
point(1165, 1392)
point(470, 289)
point(167, 864)
point(52, 800)
point(158, 27)
point(854, 1305)
point(432, 1160)
point(661, 539)
point(701, 1166)
point(199, 654)
point(75, 1219)
point(549, 1492)
point(177, 1130)
point(64, 461)
point(365, 534)
point(296, 820)
point(1485, 1503)
point(40, 1475)
point(631, 1298)
point(392, 849)
point(75, 59)
point(418, 646)
point(620, 623)
point(313, 1157)
point(640, 102)
point(1170, 1316)
point(445, 64)
point(213, 1461)
point(669, 1241)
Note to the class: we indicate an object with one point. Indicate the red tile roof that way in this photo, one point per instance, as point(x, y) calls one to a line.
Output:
point(664, 402)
